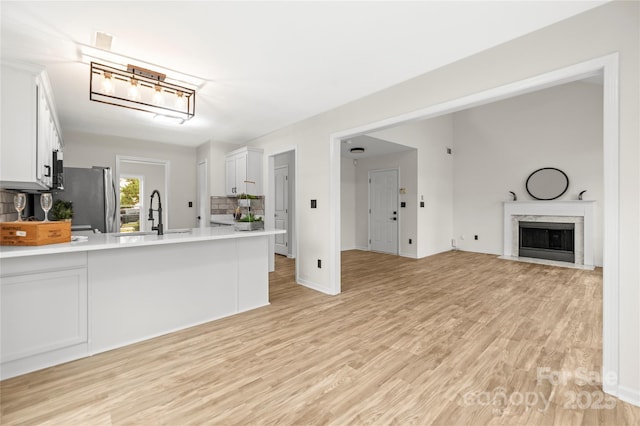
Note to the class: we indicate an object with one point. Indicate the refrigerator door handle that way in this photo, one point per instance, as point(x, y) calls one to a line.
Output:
point(115, 199)
point(110, 201)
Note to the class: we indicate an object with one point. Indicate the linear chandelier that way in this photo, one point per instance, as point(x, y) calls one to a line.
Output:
point(143, 90)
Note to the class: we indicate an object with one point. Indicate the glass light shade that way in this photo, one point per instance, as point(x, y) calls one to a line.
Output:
point(107, 84)
point(158, 98)
point(134, 90)
point(180, 101)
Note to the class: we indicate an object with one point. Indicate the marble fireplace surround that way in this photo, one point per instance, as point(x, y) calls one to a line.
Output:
point(579, 212)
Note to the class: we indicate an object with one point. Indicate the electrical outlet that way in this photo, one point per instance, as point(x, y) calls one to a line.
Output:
point(453, 242)
point(421, 203)
point(319, 263)
point(314, 204)
point(403, 204)
point(410, 242)
point(190, 203)
point(475, 237)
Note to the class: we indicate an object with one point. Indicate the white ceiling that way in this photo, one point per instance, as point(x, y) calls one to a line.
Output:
point(266, 64)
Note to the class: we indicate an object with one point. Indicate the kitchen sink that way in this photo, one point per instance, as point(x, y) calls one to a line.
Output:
point(178, 231)
point(143, 233)
point(132, 234)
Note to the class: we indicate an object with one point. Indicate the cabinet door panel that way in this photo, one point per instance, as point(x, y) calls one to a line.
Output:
point(242, 165)
point(241, 174)
point(18, 157)
point(230, 177)
point(43, 312)
point(44, 138)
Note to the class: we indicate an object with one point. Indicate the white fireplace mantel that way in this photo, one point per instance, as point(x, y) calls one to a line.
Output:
point(577, 208)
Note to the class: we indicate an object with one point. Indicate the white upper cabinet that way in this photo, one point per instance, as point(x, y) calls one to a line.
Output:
point(242, 166)
point(29, 129)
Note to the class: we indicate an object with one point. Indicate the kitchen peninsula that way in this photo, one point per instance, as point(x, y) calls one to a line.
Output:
point(67, 301)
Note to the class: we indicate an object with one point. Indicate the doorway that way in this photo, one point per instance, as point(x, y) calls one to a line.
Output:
point(131, 188)
point(607, 65)
point(202, 190)
point(276, 160)
point(383, 211)
point(281, 206)
point(154, 174)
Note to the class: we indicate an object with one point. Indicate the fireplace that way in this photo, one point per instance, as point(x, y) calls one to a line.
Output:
point(578, 213)
point(547, 240)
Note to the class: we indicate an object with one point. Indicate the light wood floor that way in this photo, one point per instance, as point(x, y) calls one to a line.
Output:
point(430, 341)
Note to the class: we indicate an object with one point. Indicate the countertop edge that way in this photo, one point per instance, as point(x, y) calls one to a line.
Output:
point(106, 242)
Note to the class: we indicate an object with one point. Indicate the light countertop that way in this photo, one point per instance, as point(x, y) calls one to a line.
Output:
point(110, 241)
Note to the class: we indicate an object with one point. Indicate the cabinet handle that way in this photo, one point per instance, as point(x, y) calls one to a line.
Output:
point(48, 173)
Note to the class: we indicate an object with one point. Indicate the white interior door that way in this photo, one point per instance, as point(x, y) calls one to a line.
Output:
point(202, 219)
point(281, 201)
point(383, 215)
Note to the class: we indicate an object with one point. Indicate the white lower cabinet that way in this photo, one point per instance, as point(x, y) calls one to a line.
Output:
point(43, 317)
point(60, 307)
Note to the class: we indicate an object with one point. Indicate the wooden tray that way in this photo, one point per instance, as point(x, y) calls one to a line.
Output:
point(34, 233)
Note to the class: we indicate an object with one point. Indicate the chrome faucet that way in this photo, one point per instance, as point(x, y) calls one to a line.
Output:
point(159, 210)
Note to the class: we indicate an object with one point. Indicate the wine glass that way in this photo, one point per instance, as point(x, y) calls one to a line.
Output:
point(45, 202)
point(19, 202)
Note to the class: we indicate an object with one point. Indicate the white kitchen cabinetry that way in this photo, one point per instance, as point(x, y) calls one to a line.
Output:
point(244, 164)
point(29, 129)
point(44, 311)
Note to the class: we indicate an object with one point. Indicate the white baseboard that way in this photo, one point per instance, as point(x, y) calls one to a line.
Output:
point(348, 248)
point(627, 394)
point(409, 255)
point(315, 286)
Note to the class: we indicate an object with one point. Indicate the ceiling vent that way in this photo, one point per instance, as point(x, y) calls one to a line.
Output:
point(103, 40)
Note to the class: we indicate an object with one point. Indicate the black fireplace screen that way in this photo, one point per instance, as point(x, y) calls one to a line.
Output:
point(546, 240)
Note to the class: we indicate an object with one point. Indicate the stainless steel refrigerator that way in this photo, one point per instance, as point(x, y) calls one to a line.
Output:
point(93, 194)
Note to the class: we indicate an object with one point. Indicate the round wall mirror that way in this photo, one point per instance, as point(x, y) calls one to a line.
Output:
point(547, 183)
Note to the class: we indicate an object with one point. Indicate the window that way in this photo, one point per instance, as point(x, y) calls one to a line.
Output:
point(130, 203)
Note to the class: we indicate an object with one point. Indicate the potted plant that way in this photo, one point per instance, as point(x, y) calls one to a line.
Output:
point(249, 222)
point(62, 210)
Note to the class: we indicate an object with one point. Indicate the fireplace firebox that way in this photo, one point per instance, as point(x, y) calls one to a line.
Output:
point(547, 240)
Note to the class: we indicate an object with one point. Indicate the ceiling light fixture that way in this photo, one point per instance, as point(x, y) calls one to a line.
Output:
point(357, 150)
point(141, 89)
point(88, 54)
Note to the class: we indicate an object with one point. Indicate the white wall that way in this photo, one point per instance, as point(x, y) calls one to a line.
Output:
point(406, 162)
point(86, 150)
point(435, 180)
point(214, 153)
point(556, 46)
point(348, 204)
point(498, 145)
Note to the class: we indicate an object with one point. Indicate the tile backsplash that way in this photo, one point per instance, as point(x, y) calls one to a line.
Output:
point(7, 211)
point(227, 205)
